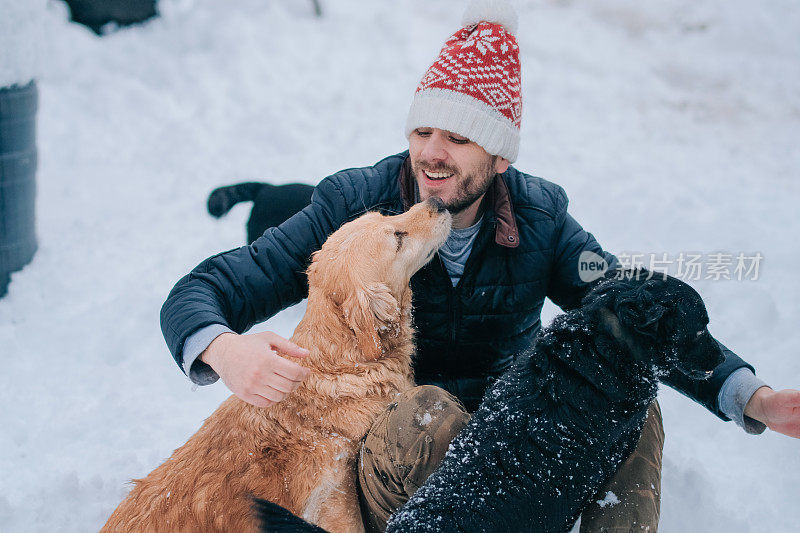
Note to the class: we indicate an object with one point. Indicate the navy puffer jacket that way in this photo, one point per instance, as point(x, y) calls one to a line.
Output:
point(527, 249)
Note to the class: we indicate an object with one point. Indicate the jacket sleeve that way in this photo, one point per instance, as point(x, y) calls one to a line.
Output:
point(567, 289)
point(706, 392)
point(244, 286)
point(571, 245)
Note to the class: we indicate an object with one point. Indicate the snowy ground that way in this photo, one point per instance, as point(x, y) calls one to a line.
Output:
point(673, 125)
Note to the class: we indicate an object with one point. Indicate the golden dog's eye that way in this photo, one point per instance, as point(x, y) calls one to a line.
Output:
point(399, 236)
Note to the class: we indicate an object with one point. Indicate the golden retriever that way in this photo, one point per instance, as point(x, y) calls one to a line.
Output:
point(300, 453)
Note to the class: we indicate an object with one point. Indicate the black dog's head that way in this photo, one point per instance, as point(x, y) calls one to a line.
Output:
point(661, 320)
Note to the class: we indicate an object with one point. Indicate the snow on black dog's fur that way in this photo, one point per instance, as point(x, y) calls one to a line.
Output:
point(557, 425)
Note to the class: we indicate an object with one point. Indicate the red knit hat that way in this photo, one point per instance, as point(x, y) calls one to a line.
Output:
point(473, 87)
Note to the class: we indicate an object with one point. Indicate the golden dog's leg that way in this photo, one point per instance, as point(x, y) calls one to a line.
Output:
point(333, 504)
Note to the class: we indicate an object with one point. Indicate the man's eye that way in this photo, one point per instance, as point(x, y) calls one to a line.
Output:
point(458, 140)
point(423, 133)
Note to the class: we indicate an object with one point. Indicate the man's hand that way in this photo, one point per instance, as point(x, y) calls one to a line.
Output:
point(251, 367)
point(779, 410)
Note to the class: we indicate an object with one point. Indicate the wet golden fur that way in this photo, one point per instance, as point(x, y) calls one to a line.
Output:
point(300, 452)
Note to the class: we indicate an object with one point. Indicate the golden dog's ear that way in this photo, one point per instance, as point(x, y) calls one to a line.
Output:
point(369, 312)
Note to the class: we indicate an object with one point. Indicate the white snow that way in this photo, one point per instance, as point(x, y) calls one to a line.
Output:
point(673, 126)
point(609, 499)
point(425, 419)
point(21, 40)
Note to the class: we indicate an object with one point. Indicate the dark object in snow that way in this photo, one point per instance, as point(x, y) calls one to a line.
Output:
point(97, 13)
point(272, 204)
point(558, 424)
point(18, 158)
point(317, 8)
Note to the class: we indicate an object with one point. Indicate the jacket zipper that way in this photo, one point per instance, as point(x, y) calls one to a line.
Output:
point(454, 293)
point(451, 298)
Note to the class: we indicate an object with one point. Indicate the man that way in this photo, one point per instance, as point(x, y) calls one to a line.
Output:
point(476, 305)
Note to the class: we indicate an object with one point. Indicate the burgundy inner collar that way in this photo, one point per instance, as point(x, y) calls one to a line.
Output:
point(506, 233)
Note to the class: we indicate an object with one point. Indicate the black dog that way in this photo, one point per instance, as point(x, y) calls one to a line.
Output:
point(272, 204)
point(557, 425)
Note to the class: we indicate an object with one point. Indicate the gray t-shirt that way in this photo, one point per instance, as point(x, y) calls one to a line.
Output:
point(455, 251)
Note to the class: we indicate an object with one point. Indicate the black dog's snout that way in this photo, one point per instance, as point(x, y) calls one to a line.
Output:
point(700, 361)
point(437, 203)
point(716, 356)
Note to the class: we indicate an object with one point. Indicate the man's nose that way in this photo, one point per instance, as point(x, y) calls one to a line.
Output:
point(435, 147)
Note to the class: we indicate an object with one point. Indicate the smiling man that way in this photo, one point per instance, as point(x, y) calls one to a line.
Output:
point(457, 170)
point(476, 305)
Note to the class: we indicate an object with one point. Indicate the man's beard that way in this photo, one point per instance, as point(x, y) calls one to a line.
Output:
point(472, 185)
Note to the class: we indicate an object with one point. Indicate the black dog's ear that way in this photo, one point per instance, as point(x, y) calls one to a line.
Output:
point(639, 311)
point(627, 294)
point(605, 291)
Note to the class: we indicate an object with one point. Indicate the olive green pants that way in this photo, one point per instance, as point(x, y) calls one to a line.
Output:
point(408, 441)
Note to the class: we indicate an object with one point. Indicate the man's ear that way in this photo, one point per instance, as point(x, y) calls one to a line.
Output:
point(368, 311)
point(501, 164)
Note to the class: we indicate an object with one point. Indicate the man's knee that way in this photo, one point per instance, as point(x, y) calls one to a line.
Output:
point(404, 446)
point(643, 467)
point(414, 433)
point(636, 485)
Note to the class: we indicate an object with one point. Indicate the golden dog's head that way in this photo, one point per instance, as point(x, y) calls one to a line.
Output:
point(364, 269)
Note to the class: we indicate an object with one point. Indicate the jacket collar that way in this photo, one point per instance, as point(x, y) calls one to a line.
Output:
point(497, 197)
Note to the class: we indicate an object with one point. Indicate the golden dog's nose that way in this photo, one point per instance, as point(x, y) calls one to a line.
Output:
point(437, 204)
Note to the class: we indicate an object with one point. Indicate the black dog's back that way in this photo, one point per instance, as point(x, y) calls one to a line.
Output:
point(272, 204)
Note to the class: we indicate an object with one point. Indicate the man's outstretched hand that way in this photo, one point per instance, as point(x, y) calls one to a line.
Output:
point(779, 410)
point(251, 366)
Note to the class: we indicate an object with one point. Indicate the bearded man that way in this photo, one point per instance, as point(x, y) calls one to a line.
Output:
point(477, 304)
